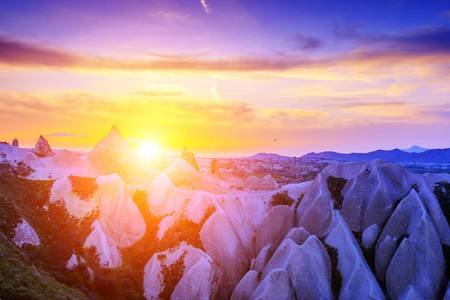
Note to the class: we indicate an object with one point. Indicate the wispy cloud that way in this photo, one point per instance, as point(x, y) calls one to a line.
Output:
point(205, 6)
point(63, 134)
point(159, 93)
point(304, 42)
point(427, 46)
point(426, 41)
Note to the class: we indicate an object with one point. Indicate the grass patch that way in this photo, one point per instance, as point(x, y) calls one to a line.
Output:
point(281, 198)
point(83, 187)
point(335, 186)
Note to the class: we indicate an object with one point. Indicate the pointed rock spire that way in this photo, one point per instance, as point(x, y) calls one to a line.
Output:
point(42, 148)
point(15, 142)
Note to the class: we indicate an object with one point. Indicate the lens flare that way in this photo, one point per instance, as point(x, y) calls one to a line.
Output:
point(148, 150)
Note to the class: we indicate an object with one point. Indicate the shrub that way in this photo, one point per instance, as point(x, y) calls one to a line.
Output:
point(83, 187)
point(336, 277)
point(335, 186)
point(281, 198)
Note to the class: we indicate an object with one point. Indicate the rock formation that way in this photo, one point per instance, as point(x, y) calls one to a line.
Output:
point(42, 148)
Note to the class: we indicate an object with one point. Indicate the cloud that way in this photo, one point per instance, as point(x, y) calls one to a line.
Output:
point(423, 41)
point(357, 104)
point(159, 112)
point(304, 42)
point(446, 13)
point(159, 93)
point(64, 134)
point(425, 47)
point(205, 6)
point(19, 52)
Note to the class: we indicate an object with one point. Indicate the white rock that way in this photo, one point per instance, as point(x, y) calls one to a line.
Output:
point(298, 235)
point(184, 175)
point(315, 211)
point(414, 257)
point(358, 282)
point(246, 286)
point(72, 262)
point(197, 282)
point(198, 273)
point(369, 236)
point(447, 293)
point(120, 217)
point(25, 234)
point(265, 183)
point(164, 198)
point(274, 227)
point(107, 251)
point(222, 243)
point(276, 285)
point(42, 148)
point(308, 267)
point(62, 191)
point(296, 190)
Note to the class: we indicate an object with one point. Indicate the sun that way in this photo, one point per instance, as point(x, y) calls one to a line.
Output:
point(148, 150)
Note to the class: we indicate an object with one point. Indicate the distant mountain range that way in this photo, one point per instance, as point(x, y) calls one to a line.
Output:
point(395, 155)
point(415, 149)
point(274, 156)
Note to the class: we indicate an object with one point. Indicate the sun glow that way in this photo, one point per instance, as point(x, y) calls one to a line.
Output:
point(148, 150)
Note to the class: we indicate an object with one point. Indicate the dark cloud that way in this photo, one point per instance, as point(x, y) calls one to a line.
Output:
point(383, 50)
point(430, 40)
point(18, 52)
point(63, 134)
point(353, 104)
point(303, 42)
point(159, 93)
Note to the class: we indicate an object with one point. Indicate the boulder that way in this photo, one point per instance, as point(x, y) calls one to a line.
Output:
point(308, 267)
point(107, 251)
point(245, 212)
point(163, 197)
point(42, 148)
point(183, 272)
point(447, 293)
point(265, 183)
point(369, 236)
point(110, 154)
point(185, 176)
point(276, 285)
point(409, 252)
point(121, 219)
point(62, 191)
point(274, 227)
point(246, 286)
point(298, 235)
point(15, 142)
point(72, 263)
point(222, 243)
point(358, 281)
point(315, 210)
point(25, 234)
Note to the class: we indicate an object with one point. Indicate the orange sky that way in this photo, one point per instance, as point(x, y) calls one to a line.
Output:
point(189, 77)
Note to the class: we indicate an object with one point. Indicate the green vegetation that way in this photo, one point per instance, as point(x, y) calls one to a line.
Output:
point(171, 274)
point(335, 186)
point(62, 236)
point(442, 192)
point(83, 187)
point(281, 198)
point(336, 277)
point(21, 279)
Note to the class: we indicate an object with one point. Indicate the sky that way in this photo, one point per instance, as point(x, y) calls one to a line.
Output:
point(234, 76)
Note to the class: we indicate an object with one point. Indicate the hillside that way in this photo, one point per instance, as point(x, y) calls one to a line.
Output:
point(396, 155)
point(186, 234)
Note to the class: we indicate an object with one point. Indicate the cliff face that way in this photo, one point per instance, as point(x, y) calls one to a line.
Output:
point(352, 232)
